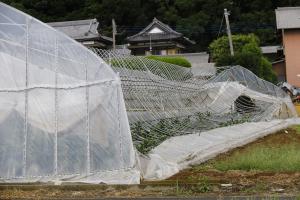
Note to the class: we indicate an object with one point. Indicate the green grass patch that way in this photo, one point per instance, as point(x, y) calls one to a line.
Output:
point(279, 152)
point(278, 159)
point(297, 128)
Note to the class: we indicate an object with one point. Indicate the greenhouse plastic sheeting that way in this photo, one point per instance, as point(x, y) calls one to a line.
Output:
point(173, 155)
point(62, 112)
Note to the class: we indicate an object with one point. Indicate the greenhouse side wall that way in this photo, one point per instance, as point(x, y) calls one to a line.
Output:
point(63, 116)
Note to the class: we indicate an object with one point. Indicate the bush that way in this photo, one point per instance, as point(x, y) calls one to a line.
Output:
point(267, 70)
point(181, 61)
point(248, 60)
point(136, 63)
point(247, 54)
point(241, 43)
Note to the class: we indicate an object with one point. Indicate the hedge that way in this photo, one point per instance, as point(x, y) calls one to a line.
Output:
point(181, 61)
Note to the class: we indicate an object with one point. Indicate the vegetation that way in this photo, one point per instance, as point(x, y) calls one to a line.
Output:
point(181, 61)
point(280, 153)
point(284, 158)
point(164, 71)
point(247, 54)
point(147, 137)
point(197, 19)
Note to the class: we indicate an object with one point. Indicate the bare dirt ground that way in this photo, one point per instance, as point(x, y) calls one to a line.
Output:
point(196, 181)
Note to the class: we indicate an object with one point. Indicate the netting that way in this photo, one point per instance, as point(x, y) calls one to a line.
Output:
point(62, 113)
point(164, 100)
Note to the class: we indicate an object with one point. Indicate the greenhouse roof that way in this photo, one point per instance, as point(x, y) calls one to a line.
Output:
point(80, 29)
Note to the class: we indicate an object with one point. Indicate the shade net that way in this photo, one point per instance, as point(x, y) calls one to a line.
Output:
point(62, 113)
point(165, 100)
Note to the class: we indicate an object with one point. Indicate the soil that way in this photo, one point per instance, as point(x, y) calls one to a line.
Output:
point(189, 182)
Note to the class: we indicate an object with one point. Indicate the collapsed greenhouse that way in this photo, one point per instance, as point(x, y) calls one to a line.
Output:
point(69, 113)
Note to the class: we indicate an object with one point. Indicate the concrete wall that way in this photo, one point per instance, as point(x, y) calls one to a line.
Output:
point(291, 42)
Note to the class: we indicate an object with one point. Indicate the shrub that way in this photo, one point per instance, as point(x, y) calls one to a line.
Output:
point(181, 61)
point(138, 63)
point(247, 54)
point(220, 47)
point(267, 70)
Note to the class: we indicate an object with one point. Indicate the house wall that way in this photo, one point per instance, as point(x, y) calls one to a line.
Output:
point(163, 51)
point(291, 42)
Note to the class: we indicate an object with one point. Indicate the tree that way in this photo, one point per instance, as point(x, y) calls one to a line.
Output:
point(247, 54)
point(197, 19)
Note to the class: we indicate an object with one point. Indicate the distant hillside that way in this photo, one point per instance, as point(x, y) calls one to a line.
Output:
point(198, 19)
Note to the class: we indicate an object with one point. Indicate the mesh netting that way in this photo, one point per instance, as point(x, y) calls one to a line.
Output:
point(164, 100)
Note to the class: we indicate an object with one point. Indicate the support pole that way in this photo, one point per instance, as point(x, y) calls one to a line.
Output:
point(56, 111)
point(87, 97)
point(26, 99)
point(150, 48)
point(114, 27)
point(226, 14)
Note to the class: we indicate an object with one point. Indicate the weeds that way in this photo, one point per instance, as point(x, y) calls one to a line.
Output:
point(284, 158)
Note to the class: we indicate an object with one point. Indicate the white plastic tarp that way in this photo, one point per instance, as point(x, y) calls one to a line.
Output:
point(62, 112)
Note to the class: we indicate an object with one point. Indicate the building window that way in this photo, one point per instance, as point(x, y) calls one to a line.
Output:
point(157, 52)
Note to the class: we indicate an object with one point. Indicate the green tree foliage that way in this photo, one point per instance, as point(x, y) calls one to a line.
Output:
point(246, 43)
point(247, 54)
point(198, 19)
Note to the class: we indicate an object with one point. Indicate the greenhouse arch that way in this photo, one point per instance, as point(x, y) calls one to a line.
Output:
point(62, 110)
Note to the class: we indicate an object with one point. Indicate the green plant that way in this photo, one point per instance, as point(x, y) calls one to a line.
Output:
point(202, 185)
point(180, 61)
point(283, 158)
point(146, 136)
point(297, 128)
point(232, 121)
point(247, 54)
point(267, 70)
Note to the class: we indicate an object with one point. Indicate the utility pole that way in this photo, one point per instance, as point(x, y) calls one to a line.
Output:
point(114, 32)
point(150, 48)
point(226, 14)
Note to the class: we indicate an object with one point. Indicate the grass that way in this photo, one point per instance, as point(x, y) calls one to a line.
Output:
point(285, 158)
point(262, 167)
point(278, 154)
point(297, 128)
